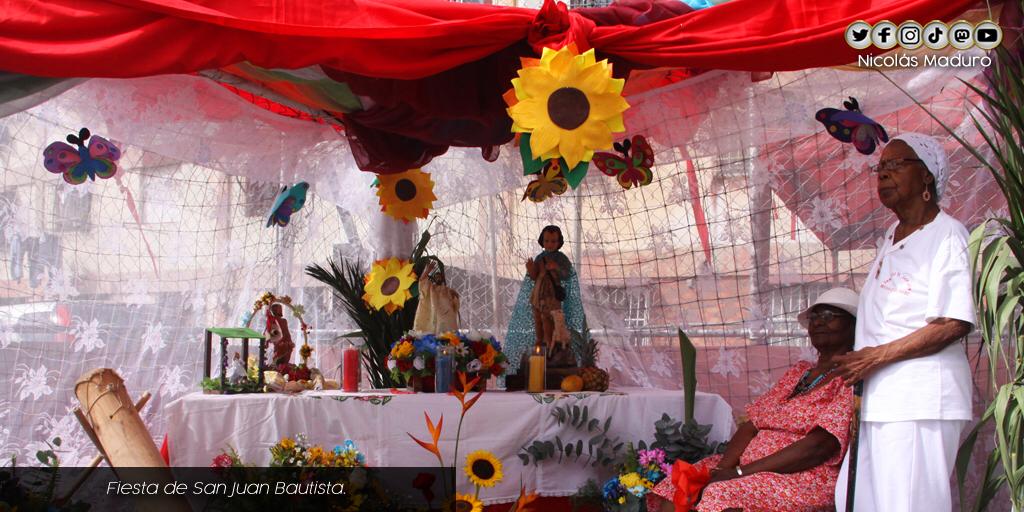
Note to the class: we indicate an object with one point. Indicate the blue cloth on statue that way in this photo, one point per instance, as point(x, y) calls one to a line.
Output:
point(520, 336)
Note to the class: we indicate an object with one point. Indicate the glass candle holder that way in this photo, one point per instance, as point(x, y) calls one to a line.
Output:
point(351, 369)
point(444, 368)
point(538, 369)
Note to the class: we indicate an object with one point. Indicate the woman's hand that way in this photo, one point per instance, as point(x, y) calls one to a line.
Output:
point(723, 474)
point(857, 365)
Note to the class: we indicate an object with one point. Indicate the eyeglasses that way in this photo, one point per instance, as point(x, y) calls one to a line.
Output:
point(892, 165)
point(825, 316)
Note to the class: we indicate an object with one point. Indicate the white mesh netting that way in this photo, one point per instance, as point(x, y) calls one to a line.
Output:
point(752, 213)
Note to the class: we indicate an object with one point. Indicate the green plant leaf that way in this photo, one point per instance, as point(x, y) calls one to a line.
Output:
point(688, 354)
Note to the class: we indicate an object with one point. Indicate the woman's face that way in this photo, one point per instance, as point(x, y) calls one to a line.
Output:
point(831, 329)
point(550, 241)
point(902, 177)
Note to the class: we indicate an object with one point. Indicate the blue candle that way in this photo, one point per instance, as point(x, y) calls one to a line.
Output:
point(443, 369)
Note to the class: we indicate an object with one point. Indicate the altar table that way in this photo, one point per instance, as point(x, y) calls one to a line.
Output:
point(202, 426)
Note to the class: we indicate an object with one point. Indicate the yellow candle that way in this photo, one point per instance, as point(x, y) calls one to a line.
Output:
point(537, 371)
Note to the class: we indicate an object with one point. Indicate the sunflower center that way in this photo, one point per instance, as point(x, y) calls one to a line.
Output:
point(483, 469)
point(463, 506)
point(568, 108)
point(405, 189)
point(390, 285)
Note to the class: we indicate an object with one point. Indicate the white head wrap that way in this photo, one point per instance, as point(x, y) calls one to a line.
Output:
point(930, 151)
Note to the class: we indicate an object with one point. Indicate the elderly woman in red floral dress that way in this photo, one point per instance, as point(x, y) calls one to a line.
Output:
point(787, 457)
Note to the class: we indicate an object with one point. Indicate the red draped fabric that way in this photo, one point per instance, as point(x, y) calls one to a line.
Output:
point(410, 39)
point(432, 71)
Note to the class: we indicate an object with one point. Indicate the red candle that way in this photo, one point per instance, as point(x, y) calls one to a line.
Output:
point(350, 369)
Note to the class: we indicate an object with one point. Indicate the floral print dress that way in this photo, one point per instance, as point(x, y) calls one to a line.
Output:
point(780, 422)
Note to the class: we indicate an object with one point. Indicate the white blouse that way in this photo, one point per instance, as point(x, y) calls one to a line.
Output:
point(925, 276)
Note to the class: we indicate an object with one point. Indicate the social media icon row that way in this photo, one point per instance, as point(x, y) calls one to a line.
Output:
point(936, 35)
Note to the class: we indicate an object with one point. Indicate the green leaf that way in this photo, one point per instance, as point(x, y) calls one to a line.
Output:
point(525, 459)
point(688, 353)
point(56, 441)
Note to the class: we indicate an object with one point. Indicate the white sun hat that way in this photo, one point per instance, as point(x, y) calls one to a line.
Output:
point(842, 298)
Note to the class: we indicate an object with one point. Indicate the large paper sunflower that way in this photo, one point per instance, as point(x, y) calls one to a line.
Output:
point(387, 284)
point(466, 503)
point(406, 195)
point(483, 468)
point(569, 103)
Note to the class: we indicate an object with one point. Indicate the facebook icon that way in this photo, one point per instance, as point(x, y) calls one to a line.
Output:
point(883, 35)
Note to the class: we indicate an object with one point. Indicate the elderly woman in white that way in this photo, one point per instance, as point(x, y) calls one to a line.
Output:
point(914, 307)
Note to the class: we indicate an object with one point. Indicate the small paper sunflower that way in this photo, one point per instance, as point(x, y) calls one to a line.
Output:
point(387, 284)
point(569, 103)
point(466, 503)
point(483, 468)
point(406, 195)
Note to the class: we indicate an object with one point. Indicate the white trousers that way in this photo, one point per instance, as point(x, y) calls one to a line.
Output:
point(903, 466)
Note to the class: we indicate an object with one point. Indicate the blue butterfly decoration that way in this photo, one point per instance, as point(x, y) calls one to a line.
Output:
point(851, 125)
point(98, 160)
point(289, 200)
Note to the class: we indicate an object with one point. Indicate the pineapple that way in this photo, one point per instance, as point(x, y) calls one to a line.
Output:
point(594, 378)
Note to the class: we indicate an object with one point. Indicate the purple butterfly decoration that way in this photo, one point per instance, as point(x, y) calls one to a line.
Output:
point(851, 125)
point(77, 164)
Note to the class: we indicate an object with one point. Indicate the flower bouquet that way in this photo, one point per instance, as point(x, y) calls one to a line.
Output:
point(476, 354)
point(295, 461)
point(639, 473)
point(411, 359)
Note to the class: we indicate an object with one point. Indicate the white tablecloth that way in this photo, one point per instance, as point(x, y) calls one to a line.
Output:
point(201, 426)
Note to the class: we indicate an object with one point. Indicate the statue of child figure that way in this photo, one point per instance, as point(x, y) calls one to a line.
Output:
point(549, 305)
point(278, 335)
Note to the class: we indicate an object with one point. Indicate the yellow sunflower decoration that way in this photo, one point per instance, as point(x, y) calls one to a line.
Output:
point(483, 468)
point(466, 503)
point(569, 103)
point(387, 284)
point(406, 195)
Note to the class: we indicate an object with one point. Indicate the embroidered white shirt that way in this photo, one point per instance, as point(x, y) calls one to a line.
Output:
point(925, 276)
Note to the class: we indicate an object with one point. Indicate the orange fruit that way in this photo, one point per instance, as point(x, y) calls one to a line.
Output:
point(572, 384)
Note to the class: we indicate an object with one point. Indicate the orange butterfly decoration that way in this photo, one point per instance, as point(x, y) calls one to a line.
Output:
point(548, 183)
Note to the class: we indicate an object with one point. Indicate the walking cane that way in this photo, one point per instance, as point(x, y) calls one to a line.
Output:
point(851, 476)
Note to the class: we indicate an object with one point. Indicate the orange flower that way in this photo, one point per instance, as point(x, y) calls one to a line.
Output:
point(525, 501)
point(435, 433)
point(487, 358)
point(466, 388)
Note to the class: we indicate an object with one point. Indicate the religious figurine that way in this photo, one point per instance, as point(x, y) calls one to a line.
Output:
point(548, 307)
point(236, 373)
point(438, 309)
point(278, 335)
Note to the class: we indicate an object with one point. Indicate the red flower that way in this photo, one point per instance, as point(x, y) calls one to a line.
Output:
point(404, 365)
point(479, 347)
point(424, 482)
point(496, 369)
point(222, 461)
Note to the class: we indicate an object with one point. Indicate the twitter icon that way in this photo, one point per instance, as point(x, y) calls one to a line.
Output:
point(858, 35)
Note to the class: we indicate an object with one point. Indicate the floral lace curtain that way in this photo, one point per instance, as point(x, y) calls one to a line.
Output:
point(752, 213)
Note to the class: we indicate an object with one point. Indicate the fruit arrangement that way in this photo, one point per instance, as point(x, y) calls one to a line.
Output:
point(594, 378)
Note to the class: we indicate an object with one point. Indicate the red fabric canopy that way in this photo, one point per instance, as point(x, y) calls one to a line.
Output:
point(433, 70)
point(410, 39)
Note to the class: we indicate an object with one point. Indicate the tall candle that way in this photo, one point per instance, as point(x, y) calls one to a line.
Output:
point(538, 363)
point(350, 369)
point(444, 366)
